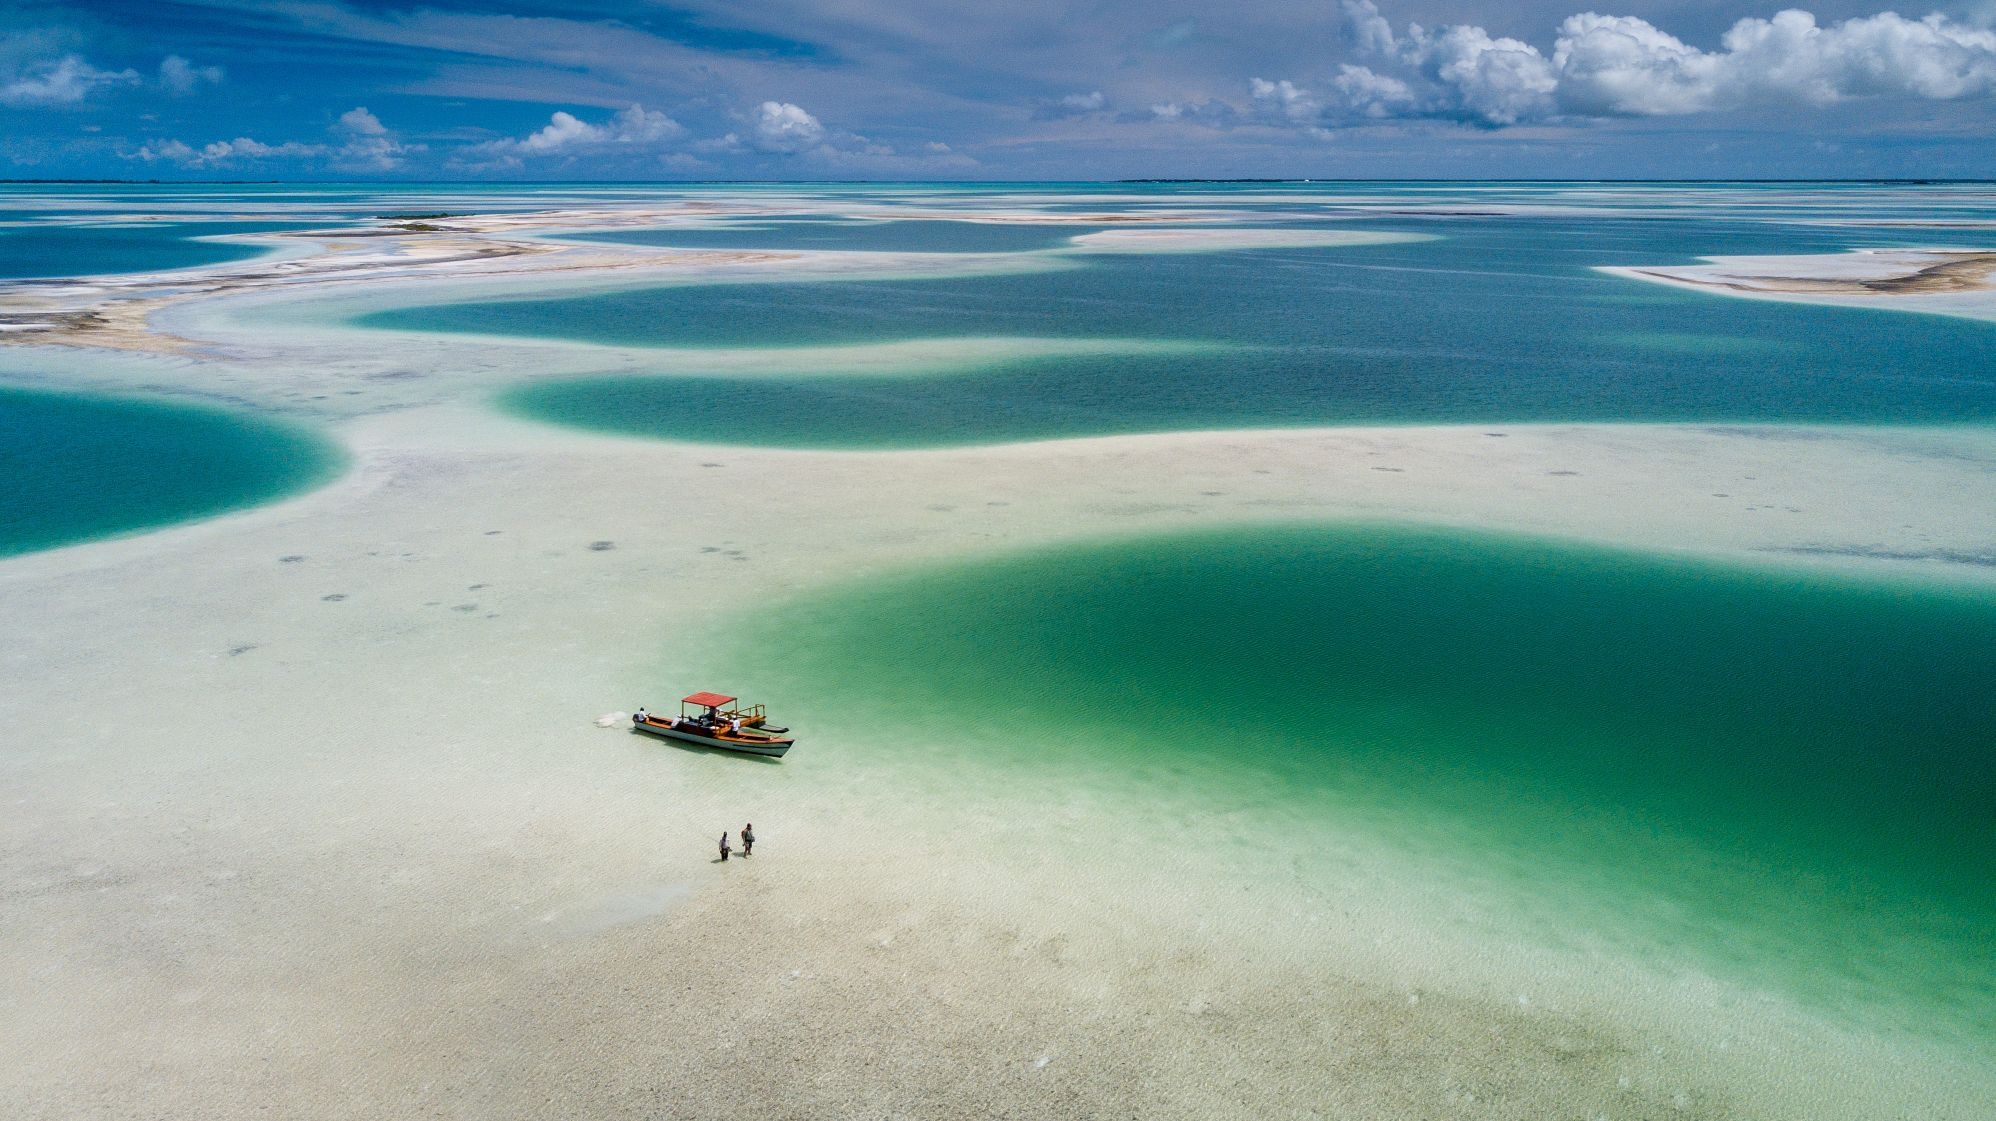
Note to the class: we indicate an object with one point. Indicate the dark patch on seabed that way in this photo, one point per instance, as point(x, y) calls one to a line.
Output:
point(1979, 558)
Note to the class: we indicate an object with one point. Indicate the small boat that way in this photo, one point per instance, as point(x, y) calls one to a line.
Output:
point(714, 720)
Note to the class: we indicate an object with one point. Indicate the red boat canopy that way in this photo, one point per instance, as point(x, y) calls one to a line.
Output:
point(708, 700)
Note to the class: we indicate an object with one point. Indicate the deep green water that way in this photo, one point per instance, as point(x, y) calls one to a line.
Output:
point(1498, 320)
point(1785, 780)
point(75, 467)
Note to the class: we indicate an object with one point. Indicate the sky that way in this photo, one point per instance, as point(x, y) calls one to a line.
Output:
point(983, 90)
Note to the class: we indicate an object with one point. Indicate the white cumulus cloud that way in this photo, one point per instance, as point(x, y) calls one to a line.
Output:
point(369, 145)
point(173, 151)
point(1284, 100)
point(563, 130)
point(1367, 29)
point(1208, 112)
point(360, 122)
point(181, 77)
point(1489, 80)
point(242, 147)
point(783, 127)
point(1623, 66)
point(565, 134)
point(1070, 106)
point(222, 153)
point(362, 143)
point(1372, 95)
point(63, 81)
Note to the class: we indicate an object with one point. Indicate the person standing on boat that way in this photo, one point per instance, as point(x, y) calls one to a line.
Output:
point(724, 845)
point(748, 838)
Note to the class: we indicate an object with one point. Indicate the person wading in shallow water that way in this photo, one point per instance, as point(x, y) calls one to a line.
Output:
point(748, 838)
point(724, 844)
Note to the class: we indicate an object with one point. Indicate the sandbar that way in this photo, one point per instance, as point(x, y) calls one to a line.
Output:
point(1959, 282)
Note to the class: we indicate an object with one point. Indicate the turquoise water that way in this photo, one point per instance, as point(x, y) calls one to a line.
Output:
point(51, 250)
point(1502, 319)
point(75, 467)
point(1786, 780)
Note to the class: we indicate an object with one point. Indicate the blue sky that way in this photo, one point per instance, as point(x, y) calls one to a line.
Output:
point(972, 89)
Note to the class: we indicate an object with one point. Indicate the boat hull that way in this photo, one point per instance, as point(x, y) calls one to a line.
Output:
point(771, 748)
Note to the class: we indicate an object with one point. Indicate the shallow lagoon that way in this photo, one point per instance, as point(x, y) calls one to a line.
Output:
point(910, 236)
point(76, 467)
point(1783, 780)
point(1499, 320)
point(63, 249)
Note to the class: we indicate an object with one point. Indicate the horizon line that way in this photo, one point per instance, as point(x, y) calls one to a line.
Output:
point(1300, 180)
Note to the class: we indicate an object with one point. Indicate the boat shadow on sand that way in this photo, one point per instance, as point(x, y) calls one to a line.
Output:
point(703, 749)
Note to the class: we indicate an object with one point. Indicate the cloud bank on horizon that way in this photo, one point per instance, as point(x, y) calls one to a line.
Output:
point(1622, 66)
point(816, 89)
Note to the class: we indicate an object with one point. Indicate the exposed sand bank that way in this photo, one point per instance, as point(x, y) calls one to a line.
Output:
point(309, 815)
point(1937, 281)
point(504, 253)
